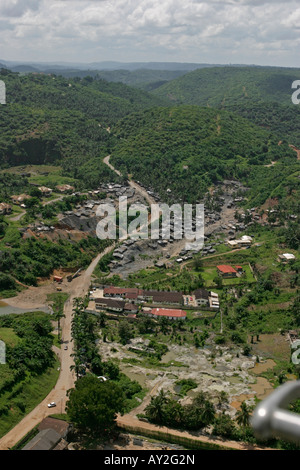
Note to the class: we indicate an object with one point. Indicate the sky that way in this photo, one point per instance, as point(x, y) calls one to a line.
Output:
point(261, 32)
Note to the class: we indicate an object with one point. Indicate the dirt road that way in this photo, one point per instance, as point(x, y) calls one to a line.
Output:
point(79, 288)
point(106, 161)
point(130, 423)
point(45, 203)
point(150, 200)
point(296, 150)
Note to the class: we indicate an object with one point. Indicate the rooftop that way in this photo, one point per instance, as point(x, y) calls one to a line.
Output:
point(168, 312)
point(201, 294)
point(224, 268)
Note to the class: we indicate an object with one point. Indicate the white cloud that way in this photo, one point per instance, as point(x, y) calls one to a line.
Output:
point(244, 31)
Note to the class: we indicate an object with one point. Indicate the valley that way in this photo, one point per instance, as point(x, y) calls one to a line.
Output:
point(237, 296)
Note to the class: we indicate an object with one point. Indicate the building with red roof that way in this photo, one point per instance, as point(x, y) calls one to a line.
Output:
point(169, 313)
point(225, 270)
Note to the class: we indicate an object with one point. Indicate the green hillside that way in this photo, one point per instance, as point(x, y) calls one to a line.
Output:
point(50, 119)
point(189, 148)
point(229, 86)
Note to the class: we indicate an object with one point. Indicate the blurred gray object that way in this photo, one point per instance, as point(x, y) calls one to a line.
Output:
point(272, 419)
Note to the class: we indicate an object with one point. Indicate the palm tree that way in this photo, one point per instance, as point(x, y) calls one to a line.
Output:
point(58, 311)
point(77, 366)
point(243, 415)
point(155, 409)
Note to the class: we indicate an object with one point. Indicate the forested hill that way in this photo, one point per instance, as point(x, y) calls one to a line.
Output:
point(231, 86)
point(51, 119)
point(98, 99)
point(261, 94)
point(189, 148)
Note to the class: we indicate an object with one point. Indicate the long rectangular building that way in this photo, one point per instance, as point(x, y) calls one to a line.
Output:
point(170, 314)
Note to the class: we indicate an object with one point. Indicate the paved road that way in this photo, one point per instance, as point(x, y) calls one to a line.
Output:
point(66, 380)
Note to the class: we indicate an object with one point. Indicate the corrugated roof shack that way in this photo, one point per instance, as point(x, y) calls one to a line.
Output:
point(52, 436)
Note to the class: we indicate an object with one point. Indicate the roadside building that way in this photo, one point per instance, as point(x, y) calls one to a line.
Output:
point(130, 293)
point(47, 439)
point(51, 436)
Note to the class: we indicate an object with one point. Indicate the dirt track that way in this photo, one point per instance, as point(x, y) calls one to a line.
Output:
point(128, 422)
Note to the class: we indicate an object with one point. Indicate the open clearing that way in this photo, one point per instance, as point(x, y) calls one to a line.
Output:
point(214, 370)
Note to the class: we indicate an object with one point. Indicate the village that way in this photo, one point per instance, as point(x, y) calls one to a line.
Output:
point(191, 312)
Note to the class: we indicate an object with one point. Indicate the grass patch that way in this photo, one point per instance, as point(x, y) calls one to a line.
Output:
point(9, 336)
point(184, 386)
point(56, 296)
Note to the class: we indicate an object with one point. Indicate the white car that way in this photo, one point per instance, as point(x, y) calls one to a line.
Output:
point(52, 404)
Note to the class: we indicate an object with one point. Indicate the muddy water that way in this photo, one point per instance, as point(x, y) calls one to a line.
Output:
point(169, 356)
point(263, 366)
point(140, 378)
point(6, 309)
point(261, 389)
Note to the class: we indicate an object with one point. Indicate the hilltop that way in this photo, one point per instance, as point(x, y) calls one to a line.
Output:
point(186, 149)
point(229, 86)
point(50, 119)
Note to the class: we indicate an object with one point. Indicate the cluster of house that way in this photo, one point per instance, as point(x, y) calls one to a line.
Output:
point(63, 188)
point(130, 301)
point(114, 190)
point(20, 199)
